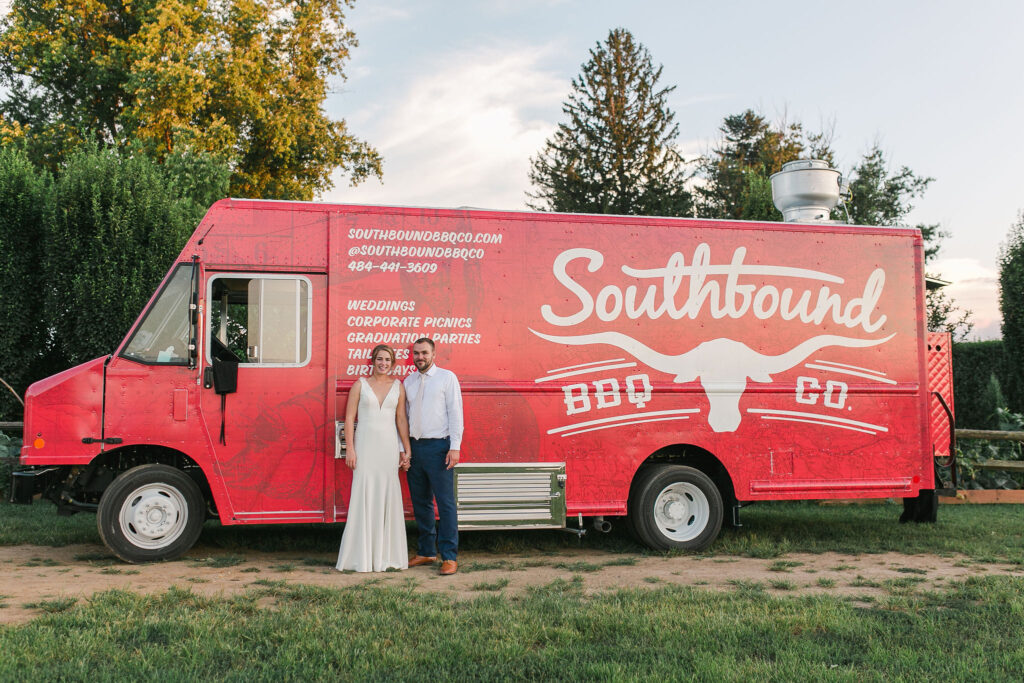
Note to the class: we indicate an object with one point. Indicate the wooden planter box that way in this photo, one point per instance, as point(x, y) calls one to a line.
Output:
point(984, 497)
point(962, 497)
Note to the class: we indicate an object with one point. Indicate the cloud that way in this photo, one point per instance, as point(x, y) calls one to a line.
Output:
point(974, 286)
point(702, 99)
point(379, 13)
point(463, 135)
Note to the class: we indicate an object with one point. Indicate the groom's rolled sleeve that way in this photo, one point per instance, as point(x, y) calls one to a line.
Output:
point(453, 404)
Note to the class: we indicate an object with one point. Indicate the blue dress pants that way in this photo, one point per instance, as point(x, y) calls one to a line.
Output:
point(429, 480)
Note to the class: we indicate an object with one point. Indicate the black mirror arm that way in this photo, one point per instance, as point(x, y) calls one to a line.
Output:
point(193, 315)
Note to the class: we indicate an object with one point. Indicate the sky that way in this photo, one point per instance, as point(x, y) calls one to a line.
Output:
point(458, 95)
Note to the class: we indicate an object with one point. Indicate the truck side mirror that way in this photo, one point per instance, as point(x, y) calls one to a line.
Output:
point(225, 381)
point(225, 376)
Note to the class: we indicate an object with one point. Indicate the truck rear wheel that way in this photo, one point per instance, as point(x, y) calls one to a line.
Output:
point(676, 507)
point(151, 512)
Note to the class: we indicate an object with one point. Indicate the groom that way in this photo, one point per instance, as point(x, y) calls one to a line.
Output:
point(434, 403)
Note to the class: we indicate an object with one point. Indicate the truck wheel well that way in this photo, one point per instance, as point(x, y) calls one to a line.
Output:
point(86, 485)
point(697, 458)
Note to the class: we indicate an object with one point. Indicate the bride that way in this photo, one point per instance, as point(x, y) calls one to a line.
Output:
point(374, 536)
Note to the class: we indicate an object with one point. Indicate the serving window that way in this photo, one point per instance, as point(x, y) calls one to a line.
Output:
point(259, 320)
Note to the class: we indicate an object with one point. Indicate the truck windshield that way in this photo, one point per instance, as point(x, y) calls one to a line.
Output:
point(163, 335)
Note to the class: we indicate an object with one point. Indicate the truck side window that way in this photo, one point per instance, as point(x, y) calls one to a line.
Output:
point(162, 338)
point(259, 319)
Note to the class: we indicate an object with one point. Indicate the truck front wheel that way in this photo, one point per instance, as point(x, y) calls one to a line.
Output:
point(676, 507)
point(151, 512)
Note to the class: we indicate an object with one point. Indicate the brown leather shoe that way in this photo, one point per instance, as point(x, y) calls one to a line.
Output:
point(449, 567)
point(420, 560)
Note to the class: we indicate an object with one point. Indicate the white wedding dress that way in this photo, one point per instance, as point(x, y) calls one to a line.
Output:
point(374, 536)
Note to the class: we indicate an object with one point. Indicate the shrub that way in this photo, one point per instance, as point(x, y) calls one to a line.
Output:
point(973, 451)
point(1011, 304)
point(23, 211)
point(974, 364)
point(9, 449)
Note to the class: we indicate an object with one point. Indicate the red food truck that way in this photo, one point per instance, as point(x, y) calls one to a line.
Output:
point(668, 371)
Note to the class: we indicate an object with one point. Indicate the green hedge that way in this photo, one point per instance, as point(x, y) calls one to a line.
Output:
point(974, 363)
point(81, 252)
point(9, 448)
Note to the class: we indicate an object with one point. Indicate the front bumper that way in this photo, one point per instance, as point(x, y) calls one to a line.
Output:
point(25, 484)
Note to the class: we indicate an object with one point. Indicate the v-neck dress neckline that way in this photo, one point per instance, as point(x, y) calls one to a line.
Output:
point(380, 401)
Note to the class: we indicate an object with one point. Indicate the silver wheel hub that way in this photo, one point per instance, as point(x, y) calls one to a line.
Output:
point(153, 516)
point(681, 511)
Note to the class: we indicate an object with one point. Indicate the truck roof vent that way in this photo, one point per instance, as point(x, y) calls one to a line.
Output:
point(806, 191)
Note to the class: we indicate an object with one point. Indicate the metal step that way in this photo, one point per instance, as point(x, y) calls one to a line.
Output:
point(510, 495)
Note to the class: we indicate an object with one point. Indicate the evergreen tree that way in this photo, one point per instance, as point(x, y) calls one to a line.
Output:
point(881, 197)
point(878, 197)
point(243, 80)
point(737, 171)
point(616, 151)
point(737, 186)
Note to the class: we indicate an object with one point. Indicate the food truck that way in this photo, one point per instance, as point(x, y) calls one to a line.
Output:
point(667, 371)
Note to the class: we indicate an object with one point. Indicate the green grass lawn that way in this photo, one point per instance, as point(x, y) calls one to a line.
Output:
point(278, 631)
point(982, 532)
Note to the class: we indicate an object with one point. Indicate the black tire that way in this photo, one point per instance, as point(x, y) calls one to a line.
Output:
point(673, 506)
point(150, 513)
point(633, 517)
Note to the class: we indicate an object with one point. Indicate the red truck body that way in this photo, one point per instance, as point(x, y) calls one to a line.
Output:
point(783, 361)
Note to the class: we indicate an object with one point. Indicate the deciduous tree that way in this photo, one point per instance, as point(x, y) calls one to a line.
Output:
point(616, 152)
point(244, 80)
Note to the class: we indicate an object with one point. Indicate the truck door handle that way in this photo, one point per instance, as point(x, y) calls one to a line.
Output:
point(208, 377)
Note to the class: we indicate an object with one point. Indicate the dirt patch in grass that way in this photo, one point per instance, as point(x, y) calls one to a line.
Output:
point(858, 577)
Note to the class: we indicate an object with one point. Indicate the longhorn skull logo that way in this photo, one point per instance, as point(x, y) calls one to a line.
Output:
point(722, 365)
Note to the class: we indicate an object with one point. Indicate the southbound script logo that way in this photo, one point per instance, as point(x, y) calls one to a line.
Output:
point(723, 366)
